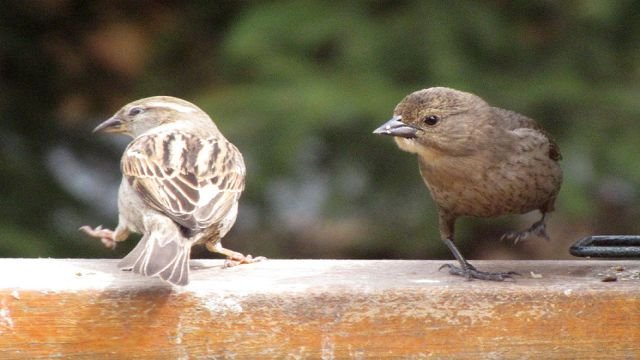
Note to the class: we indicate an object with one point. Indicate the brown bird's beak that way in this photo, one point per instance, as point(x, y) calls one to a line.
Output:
point(395, 127)
point(112, 125)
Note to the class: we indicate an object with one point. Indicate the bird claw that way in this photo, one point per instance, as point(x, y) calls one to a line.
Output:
point(470, 272)
point(108, 243)
point(244, 259)
point(515, 236)
point(538, 228)
point(105, 235)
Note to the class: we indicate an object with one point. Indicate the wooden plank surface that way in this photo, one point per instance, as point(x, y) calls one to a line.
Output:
point(320, 309)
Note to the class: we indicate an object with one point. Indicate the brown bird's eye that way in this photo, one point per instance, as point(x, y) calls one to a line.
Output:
point(135, 111)
point(431, 119)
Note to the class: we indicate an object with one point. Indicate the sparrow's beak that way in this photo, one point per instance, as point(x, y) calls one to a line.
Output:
point(395, 127)
point(112, 125)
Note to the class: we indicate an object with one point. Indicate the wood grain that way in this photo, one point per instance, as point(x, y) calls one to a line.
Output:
point(320, 309)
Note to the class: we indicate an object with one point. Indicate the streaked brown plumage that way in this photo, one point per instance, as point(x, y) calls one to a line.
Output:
point(477, 160)
point(181, 183)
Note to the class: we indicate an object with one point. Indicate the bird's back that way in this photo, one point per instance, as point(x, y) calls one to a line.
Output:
point(194, 179)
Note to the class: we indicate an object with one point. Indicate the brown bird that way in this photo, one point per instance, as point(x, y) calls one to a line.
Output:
point(181, 183)
point(477, 160)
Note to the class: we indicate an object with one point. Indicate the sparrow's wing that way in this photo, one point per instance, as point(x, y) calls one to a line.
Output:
point(195, 181)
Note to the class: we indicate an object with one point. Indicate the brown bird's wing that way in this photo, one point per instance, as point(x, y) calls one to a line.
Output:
point(192, 180)
point(512, 121)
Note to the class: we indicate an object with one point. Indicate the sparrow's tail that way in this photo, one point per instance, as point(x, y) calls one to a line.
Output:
point(168, 260)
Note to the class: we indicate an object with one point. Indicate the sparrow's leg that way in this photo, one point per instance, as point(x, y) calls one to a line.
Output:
point(234, 258)
point(467, 270)
point(538, 228)
point(108, 237)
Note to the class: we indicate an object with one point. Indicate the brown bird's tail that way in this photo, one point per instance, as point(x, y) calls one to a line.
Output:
point(168, 260)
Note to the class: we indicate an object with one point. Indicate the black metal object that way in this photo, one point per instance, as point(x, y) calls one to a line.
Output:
point(610, 246)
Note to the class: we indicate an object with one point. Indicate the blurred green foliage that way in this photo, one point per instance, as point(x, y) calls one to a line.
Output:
point(298, 86)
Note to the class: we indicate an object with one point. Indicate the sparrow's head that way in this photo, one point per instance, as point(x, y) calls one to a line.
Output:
point(437, 118)
point(145, 114)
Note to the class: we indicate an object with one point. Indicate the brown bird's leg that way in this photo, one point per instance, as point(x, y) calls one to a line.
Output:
point(108, 237)
point(234, 258)
point(538, 228)
point(466, 269)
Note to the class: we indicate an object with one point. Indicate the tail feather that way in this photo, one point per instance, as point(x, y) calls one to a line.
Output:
point(128, 262)
point(178, 272)
point(169, 262)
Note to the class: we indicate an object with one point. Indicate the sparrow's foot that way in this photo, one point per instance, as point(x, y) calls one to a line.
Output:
point(234, 258)
point(538, 228)
point(105, 235)
point(470, 272)
point(244, 259)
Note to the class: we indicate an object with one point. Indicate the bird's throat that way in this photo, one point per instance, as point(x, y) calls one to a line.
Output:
point(428, 154)
point(408, 145)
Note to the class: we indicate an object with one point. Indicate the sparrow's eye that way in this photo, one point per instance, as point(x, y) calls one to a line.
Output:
point(135, 111)
point(431, 119)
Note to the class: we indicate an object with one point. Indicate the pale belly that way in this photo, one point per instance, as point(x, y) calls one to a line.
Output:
point(131, 207)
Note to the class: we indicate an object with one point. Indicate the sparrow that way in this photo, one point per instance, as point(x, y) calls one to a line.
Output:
point(477, 160)
point(181, 181)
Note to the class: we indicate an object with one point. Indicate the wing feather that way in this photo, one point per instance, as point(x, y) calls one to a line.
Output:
point(194, 181)
point(512, 120)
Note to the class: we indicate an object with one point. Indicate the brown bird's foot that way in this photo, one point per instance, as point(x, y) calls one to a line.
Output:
point(470, 272)
point(234, 258)
point(105, 235)
point(539, 228)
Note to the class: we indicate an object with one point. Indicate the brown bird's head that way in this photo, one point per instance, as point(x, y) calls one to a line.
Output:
point(439, 120)
point(145, 114)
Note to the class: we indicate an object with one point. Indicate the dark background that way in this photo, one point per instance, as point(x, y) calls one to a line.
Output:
point(298, 86)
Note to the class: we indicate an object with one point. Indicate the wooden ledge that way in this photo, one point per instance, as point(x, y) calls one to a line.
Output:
point(329, 309)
